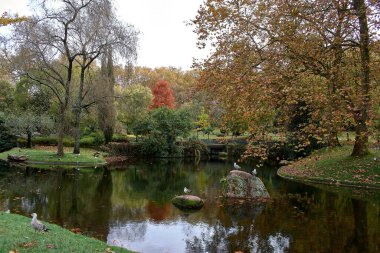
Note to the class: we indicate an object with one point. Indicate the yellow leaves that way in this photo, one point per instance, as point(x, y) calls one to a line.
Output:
point(6, 19)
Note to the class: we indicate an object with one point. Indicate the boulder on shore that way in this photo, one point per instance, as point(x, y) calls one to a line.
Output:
point(188, 202)
point(240, 184)
point(17, 158)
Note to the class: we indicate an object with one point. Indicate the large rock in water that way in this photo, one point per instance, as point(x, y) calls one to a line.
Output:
point(188, 202)
point(240, 184)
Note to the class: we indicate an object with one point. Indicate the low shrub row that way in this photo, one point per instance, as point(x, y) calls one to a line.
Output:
point(91, 140)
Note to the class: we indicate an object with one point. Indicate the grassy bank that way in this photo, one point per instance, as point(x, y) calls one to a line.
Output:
point(17, 235)
point(336, 166)
point(48, 155)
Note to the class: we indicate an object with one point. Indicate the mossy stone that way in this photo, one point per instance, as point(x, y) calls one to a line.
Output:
point(188, 202)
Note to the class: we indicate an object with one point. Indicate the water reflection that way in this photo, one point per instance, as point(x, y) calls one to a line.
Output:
point(130, 207)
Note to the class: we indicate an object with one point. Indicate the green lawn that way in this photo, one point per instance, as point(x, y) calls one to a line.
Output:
point(48, 155)
point(335, 165)
point(17, 235)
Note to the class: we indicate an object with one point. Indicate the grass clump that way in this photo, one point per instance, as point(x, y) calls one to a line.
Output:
point(48, 155)
point(17, 235)
point(335, 165)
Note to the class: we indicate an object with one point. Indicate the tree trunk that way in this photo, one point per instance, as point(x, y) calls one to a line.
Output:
point(335, 79)
point(106, 108)
point(77, 131)
point(29, 142)
point(361, 116)
point(78, 111)
point(61, 132)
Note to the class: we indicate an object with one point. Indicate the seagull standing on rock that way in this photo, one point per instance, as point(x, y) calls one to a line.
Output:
point(236, 167)
point(37, 225)
point(186, 190)
point(254, 172)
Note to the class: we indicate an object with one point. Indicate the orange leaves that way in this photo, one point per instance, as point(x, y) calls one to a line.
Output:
point(163, 95)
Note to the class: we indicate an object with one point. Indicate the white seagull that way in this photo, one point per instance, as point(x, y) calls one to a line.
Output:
point(37, 225)
point(254, 172)
point(236, 167)
point(186, 190)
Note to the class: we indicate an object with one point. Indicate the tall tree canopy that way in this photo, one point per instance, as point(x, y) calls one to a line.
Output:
point(270, 57)
point(60, 35)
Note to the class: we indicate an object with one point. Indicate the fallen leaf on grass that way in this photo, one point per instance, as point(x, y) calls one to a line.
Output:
point(28, 244)
point(76, 230)
point(108, 250)
point(50, 246)
point(14, 251)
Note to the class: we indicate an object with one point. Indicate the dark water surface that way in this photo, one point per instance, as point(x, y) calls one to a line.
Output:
point(130, 207)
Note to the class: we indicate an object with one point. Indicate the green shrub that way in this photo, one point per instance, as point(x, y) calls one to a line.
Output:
point(93, 139)
point(120, 138)
point(7, 141)
point(160, 130)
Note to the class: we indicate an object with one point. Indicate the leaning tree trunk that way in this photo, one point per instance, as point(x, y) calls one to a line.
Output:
point(362, 114)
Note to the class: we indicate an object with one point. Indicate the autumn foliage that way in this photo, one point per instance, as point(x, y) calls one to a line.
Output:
point(300, 69)
point(163, 95)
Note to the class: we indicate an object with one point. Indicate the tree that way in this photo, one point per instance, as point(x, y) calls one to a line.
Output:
point(28, 123)
point(133, 104)
point(203, 123)
point(161, 128)
point(106, 106)
point(47, 40)
point(7, 19)
point(362, 114)
point(29, 111)
point(64, 34)
point(269, 55)
point(100, 34)
point(6, 96)
point(163, 95)
point(7, 141)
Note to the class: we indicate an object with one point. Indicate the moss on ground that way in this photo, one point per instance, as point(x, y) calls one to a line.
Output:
point(49, 155)
point(335, 165)
point(17, 235)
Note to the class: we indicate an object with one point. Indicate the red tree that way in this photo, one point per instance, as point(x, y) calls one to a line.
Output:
point(163, 95)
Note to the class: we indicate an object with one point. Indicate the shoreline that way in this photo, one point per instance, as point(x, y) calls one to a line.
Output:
point(17, 235)
point(335, 167)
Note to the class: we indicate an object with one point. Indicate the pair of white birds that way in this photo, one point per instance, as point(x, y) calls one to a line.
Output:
point(237, 167)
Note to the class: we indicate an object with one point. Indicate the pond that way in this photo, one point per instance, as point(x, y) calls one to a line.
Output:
point(129, 206)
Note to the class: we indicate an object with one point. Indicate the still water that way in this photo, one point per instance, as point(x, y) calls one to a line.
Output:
point(129, 206)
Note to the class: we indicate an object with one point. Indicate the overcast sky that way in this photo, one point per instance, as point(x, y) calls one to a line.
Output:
point(165, 40)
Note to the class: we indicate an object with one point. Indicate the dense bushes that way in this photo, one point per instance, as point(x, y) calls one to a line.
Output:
point(7, 141)
point(159, 132)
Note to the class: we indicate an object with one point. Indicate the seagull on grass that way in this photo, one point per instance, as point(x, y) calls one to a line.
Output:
point(236, 167)
point(37, 225)
point(186, 190)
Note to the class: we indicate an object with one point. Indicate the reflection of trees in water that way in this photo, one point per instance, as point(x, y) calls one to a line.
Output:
point(26, 191)
point(234, 230)
point(279, 243)
point(358, 241)
point(102, 206)
point(158, 212)
point(73, 211)
point(318, 221)
point(131, 232)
